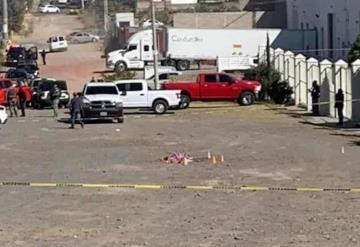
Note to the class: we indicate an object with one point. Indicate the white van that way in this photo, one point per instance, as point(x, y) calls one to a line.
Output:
point(57, 43)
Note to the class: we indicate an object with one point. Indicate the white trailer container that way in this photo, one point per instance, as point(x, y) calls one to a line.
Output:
point(181, 46)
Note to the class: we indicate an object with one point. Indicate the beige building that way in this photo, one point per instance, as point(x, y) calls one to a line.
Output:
point(228, 20)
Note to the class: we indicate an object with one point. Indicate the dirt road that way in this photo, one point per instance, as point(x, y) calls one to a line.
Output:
point(261, 146)
point(76, 65)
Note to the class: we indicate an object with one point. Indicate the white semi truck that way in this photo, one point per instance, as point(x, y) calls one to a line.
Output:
point(180, 47)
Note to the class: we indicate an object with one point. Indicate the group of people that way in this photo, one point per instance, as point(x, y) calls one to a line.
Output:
point(17, 97)
point(339, 102)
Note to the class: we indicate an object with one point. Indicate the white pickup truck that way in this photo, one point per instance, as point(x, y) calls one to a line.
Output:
point(102, 101)
point(137, 94)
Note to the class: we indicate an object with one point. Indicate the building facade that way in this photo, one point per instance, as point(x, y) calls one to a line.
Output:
point(337, 23)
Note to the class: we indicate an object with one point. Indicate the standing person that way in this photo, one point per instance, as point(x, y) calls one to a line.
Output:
point(28, 93)
point(22, 98)
point(315, 96)
point(339, 105)
point(55, 94)
point(12, 100)
point(43, 56)
point(75, 109)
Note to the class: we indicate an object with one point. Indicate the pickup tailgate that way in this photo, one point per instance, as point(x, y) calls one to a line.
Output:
point(171, 96)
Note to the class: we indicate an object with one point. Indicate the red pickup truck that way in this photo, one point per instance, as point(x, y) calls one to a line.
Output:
point(5, 84)
point(216, 87)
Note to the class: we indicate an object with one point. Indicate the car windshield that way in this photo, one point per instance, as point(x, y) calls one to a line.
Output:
point(16, 51)
point(61, 84)
point(46, 85)
point(101, 90)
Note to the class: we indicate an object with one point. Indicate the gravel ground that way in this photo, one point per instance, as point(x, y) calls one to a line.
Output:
point(261, 146)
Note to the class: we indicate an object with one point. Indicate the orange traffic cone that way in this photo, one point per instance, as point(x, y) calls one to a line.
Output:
point(213, 160)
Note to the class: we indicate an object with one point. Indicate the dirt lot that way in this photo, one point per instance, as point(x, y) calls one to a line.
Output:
point(261, 146)
point(79, 63)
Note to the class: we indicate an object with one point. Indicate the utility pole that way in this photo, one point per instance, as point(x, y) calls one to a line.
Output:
point(155, 50)
point(106, 14)
point(5, 20)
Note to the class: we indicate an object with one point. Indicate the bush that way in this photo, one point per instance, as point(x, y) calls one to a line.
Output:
point(355, 51)
point(127, 75)
point(281, 92)
point(266, 76)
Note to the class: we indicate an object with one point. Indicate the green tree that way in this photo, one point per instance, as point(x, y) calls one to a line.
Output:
point(355, 51)
point(16, 13)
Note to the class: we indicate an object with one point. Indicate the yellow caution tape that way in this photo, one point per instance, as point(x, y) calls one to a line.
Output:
point(176, 187)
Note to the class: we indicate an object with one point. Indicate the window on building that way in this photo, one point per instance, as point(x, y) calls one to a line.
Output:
point(331, 34)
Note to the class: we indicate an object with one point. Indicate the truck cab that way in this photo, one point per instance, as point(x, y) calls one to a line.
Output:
point(138, 52)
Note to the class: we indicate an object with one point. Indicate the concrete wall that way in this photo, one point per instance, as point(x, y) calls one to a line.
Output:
point(242, 19)
point(214, 20)
point(355, 79)
point(301, 72)
point(314, 14)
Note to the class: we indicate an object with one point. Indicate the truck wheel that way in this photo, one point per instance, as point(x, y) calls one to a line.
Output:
point(120, 67)
point(246, 98)
point(184, 101)
point(120, 120)
point(183, 65)
point(160, 107)
point(171, 63)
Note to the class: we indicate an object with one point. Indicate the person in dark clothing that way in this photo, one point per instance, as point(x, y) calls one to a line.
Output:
point(55, 94)
point(22, 98)
point(315, 96)
point(12, 100)
point(43, 56)
point(75, 109)
point(339, 105)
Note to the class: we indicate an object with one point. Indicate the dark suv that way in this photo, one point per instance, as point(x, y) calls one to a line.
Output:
point(19, 54)
point(41, 93)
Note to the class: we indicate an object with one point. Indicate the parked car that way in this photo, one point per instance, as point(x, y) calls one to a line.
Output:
point(3, 115)
point(41, 92)
point(82, 37)
point(19, 54)
point(48, 8)
point(57, 43)
point(216, 87)
point(30, 68)
point(137, 94)
point(19, 74)
point(4, 86)
point(102, 101)
point(148, 23)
